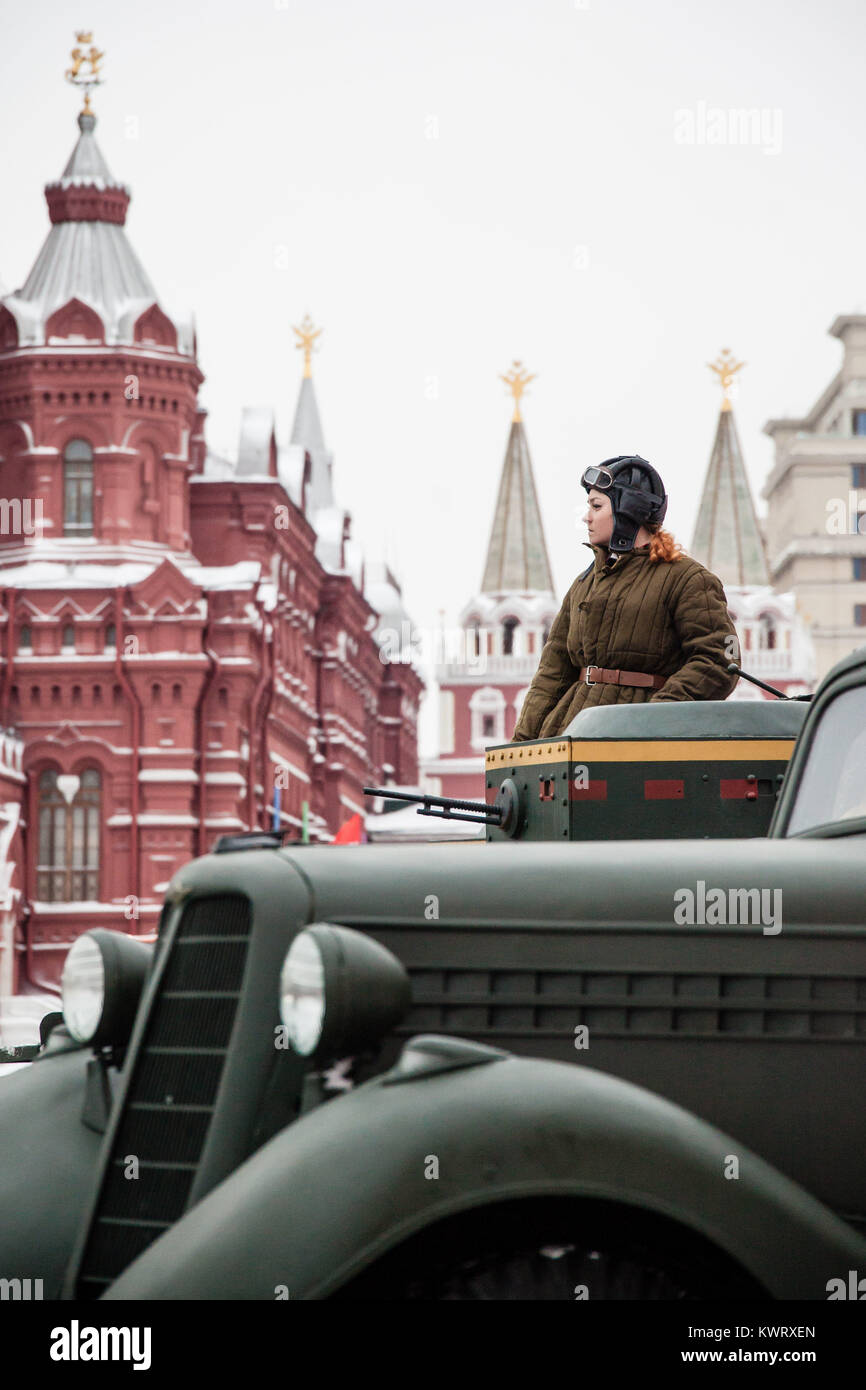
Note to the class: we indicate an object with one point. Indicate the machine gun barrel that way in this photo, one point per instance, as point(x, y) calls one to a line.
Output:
point(443, 807)
point(771, 689)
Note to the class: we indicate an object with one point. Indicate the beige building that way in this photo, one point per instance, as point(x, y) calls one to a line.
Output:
point(816, 505)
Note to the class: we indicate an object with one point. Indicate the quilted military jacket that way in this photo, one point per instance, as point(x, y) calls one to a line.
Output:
point(663, 617)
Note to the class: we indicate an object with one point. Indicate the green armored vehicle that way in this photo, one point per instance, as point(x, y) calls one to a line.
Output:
point(626, 1068)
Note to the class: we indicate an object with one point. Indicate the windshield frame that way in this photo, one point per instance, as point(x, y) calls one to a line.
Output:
point(853, 679)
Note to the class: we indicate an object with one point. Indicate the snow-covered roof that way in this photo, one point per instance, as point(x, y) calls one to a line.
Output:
point(86, 164)
point(84, 574)
point(216, 466)
point(86, 256)
point(239, 576)
point(307, 435)
point(328, 524)
point(290, 470)
point(528, 606)
point(256, 440)
point(383, 593)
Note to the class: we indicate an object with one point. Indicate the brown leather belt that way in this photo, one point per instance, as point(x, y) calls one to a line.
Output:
point(601, 676)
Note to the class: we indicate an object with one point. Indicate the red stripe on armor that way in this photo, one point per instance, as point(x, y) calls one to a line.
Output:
point(657, 789)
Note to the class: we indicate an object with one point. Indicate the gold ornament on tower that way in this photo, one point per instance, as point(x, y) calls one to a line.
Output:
point(79, 59)
point(307, 335)
point(726, 367)
point(517, 379)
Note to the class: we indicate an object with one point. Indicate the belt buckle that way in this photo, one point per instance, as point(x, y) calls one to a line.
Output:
point(586, 679)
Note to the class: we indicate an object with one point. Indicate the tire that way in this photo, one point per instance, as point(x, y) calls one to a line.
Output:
point(589, 1255)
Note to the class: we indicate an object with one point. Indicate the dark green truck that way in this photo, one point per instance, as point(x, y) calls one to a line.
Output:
point(611, 1068)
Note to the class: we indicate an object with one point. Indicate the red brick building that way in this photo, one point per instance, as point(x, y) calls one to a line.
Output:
point(188, 644)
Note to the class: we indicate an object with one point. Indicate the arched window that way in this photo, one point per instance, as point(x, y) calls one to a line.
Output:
point(55, 694)
point(768, 631)
point(110, 636)
point(97, 694)
point(68, 637)
point(487, 711)
point(25, 640)
point(78, 488)
point(508, 628)
point(35, 694)
point(156, 694)
point(177, 693)
point(68, 865)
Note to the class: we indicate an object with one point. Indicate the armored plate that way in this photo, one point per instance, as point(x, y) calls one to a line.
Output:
point(691, 719)
point(677, 770)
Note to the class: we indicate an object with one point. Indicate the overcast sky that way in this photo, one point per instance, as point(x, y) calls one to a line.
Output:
point(447, 187)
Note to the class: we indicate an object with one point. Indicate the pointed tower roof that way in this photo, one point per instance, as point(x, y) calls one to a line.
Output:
point(307, 433)
point(87, 258)
point(727, 536)
point(517, 553)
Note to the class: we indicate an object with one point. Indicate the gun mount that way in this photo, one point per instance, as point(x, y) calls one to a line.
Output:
point(503, 811)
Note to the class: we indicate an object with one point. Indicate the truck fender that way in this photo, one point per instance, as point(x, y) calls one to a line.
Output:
point(356, 1177)
point(48, 1164)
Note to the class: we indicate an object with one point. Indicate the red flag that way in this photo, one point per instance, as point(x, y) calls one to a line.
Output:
point(351, 832)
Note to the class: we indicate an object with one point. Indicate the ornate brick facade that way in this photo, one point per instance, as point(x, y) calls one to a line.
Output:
point(186, 648)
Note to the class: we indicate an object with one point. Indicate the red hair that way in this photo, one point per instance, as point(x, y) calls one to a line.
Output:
point(662, 546)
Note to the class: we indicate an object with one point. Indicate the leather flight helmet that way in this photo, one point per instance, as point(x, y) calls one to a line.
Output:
point(637, 496)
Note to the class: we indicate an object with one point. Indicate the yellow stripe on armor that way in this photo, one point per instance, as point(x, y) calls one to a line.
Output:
point(637, 751)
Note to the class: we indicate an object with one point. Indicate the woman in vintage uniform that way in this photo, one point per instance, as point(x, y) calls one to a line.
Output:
point(643, 622)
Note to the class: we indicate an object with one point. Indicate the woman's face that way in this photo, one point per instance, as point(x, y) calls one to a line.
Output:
point(599, 517)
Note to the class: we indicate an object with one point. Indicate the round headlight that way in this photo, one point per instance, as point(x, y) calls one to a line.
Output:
point(302, 994)
point(340, 992)
point(82, 985)
point(103, 976)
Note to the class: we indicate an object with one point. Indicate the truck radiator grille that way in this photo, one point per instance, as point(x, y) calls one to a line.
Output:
point(172, 1093)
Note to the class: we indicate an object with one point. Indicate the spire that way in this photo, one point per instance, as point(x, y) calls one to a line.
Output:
point(517, 554)
point(307, 432)
point(727, 536)
point(86, 190)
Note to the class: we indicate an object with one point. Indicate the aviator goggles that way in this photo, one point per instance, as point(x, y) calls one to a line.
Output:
point(597, 477)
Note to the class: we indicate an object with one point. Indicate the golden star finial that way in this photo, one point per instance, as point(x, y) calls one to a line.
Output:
point(517, 379)
point(726, 368)
point(307, 335)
